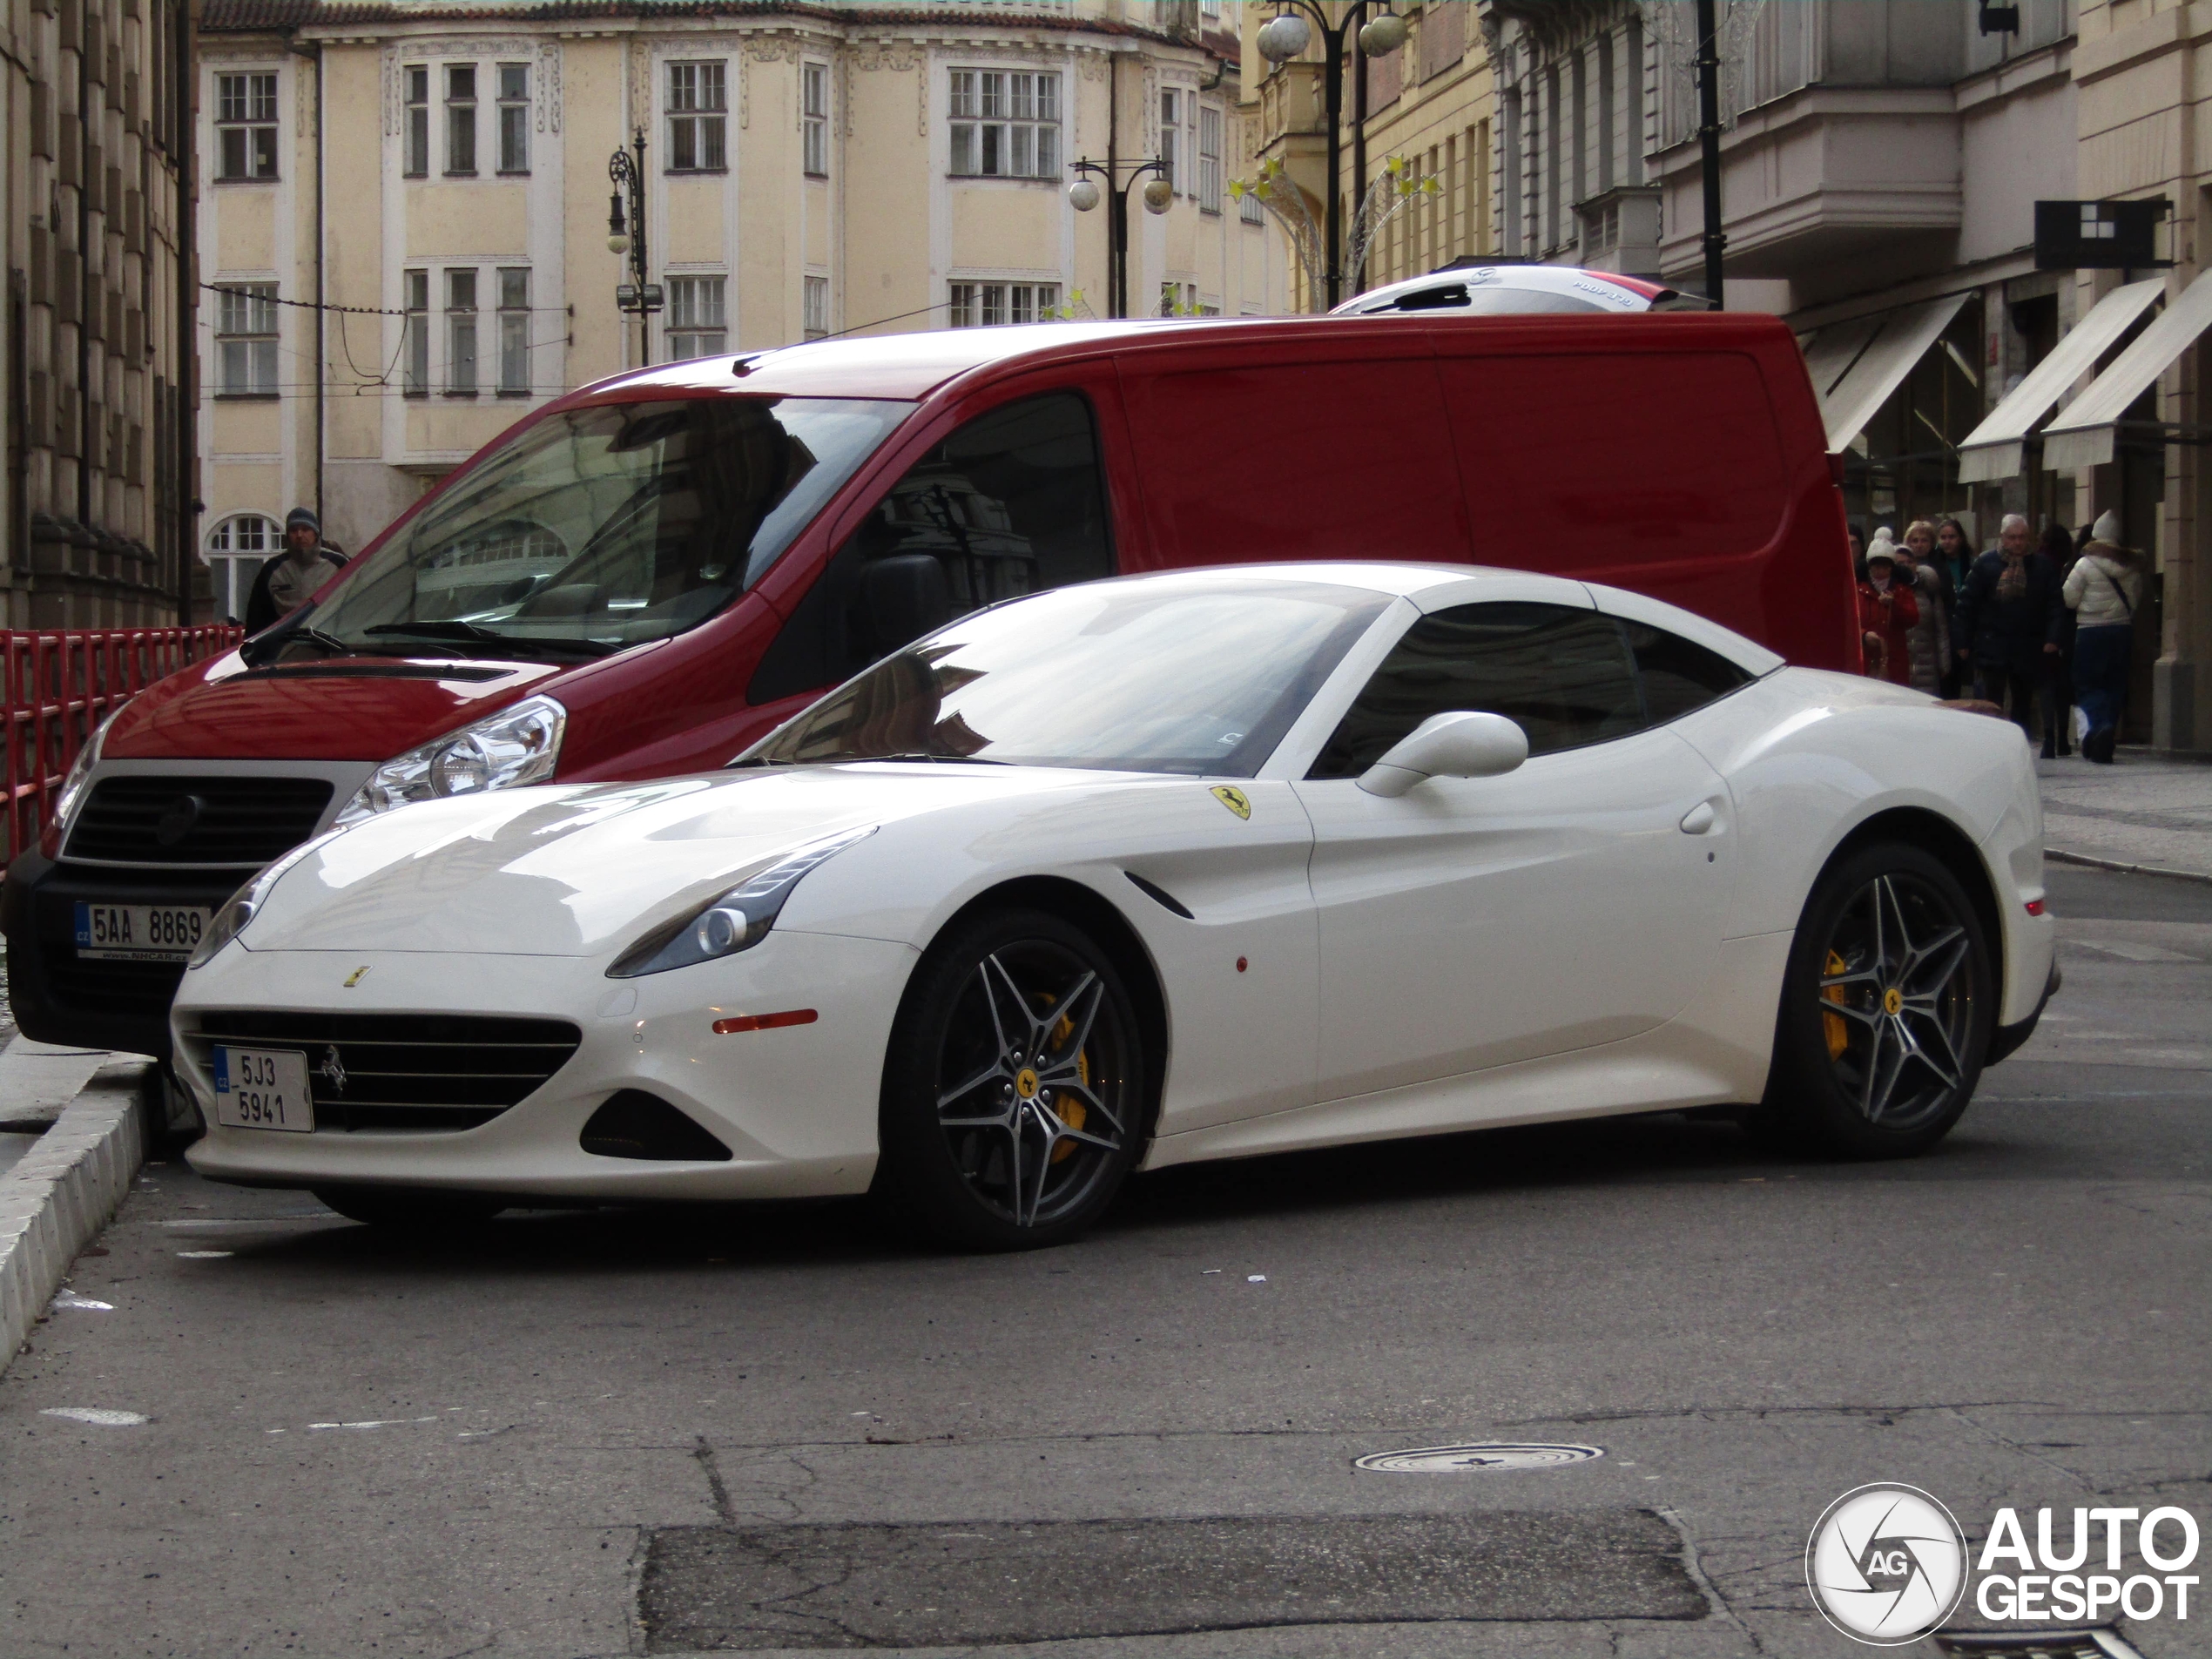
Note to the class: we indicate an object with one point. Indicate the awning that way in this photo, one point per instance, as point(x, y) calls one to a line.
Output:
point(1993, 450)
point(2082, 435)
point(1892, 344)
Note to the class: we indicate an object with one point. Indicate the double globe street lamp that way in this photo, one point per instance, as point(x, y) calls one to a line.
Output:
point(1084, 194)
point(1287, 34)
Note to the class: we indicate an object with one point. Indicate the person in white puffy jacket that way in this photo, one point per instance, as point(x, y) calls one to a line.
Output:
point(2103, 589)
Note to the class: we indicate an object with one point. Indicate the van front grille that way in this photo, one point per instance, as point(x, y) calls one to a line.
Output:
point(403, 1071)
point(240, 822)
point(139, 989)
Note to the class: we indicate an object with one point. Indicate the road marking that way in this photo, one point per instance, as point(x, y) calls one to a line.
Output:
point(98, 1416)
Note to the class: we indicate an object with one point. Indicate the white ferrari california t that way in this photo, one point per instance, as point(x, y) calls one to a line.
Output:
point(1193, 866)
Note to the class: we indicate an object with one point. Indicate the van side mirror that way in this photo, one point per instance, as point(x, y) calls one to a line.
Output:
point(903, 597)
point(1460, 745)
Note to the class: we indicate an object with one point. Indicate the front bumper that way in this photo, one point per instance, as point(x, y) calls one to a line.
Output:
point(59, 997)
point(796, 1105)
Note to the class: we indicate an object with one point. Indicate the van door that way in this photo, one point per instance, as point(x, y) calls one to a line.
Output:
point(1014, 499)
point(1658, 471)
point(1248, 458)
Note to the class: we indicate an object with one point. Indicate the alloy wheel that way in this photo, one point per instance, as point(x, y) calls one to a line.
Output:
point(1897, 1001)
point(1035, 1084)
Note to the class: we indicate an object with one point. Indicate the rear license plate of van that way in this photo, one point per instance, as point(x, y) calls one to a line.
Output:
point(140, 933)
point(262, 1089)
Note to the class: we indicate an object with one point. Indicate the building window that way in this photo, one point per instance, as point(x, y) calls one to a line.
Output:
point(514, 117)
point(814, 120)
point(245, 340)
point(1170, 131)
point(416, 382)
point(1005, 124)
point(245, 113)
point(236, 549)
point(697, 102)
point(1181, 300)
point(461, 117)
point(986, 305)
point(418, 121)
point(461, 333)
point(1208, 159)
point(696, 327)
point(514, 333)
point(815, 319)
point(1249, 209)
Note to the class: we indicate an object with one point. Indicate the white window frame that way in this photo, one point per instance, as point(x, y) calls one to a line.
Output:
point(1210, 127)
point(233, 562)
point(813, 119)
point(990, 302)
point(698, 91)
point(514, 330)
point(697, 322)
point(461, 117)
point(814, 307)
point(513, 120)
point(247, 335)
point(1171, 146)
point(415, 346)
point(464, 331)
point(414, 134)
point(1004, 123)
point(245, 109)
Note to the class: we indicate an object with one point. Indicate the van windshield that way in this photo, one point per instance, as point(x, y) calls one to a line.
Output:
point(599, 528)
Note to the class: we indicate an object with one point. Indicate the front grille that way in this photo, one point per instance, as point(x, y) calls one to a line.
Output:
point(410, 1071)
point(243, 822)
point(134, 990)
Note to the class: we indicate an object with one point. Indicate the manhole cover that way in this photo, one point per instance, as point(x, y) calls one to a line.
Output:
point(1488, 1455)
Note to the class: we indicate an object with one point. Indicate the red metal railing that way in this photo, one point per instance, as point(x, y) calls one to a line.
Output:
point(57, 687)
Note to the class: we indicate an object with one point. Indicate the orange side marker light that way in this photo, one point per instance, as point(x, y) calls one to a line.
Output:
point(764, 1021)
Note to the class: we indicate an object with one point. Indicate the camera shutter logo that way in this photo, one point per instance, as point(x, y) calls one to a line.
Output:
point(1886, 1564)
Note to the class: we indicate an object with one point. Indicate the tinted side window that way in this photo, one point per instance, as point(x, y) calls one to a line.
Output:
point(1013, 502)
point(1562, 675)
point(1678, 676)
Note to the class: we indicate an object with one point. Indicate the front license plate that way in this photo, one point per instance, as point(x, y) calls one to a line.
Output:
point(140, 933)
point(262, 1089)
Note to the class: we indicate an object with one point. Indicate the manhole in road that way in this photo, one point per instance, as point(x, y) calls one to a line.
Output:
point(1477, 1456)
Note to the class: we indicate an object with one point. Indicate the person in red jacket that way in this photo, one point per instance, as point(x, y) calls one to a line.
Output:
point(1887, 612)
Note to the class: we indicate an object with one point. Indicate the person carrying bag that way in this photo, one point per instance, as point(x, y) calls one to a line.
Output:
point(2102, 590)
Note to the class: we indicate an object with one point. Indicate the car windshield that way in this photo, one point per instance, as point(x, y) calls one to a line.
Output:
point(601, 527)
point(1195, 676)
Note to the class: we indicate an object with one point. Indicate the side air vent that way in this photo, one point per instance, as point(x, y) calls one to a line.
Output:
point(1159, 895)
point(634, 1124)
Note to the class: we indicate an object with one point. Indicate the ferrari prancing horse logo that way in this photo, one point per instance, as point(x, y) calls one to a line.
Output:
point(1233, 798)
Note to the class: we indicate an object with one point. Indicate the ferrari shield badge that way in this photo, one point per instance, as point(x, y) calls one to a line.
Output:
point(1233, 798)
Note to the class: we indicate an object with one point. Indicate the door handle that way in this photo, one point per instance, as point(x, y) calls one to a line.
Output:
point(1698, 818)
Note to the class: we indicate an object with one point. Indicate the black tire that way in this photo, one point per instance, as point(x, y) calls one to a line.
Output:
point(1004, 1125)
point(421, 1208)
point(1888, 1004)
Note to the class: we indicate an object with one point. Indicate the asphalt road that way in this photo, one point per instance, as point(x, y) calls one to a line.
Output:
point(620, 1433)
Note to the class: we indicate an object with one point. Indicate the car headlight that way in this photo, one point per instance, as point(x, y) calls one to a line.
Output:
point(520, 744)
point(737, 918)
point(80, 773)
point(230, 921)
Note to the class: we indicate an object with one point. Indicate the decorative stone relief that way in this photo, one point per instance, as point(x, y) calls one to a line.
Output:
point(548, 86)
point(391, 92)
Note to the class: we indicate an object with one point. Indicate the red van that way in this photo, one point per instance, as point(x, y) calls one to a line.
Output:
point(644, 577)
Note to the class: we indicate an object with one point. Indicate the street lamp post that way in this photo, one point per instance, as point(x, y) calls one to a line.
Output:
point(1083, 195)
point(639, 295)
point(1282, 38)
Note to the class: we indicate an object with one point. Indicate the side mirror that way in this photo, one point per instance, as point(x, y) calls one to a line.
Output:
point(903, 597)
point(1462, 745)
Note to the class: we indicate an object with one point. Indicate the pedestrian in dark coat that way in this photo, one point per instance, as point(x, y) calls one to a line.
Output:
point(1954, 557)
point(2010, 622)
point(2058, 708)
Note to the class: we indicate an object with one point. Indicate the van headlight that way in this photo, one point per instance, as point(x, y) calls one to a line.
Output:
point(736, 919)
point(519, 744)
point(230, 921)
point(80, 773)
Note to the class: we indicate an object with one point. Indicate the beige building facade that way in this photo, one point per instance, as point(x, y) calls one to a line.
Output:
point(96, 202)
point(408, 208)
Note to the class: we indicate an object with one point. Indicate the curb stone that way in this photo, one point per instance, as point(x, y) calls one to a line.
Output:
point(2052, 854)
point(56, 1201)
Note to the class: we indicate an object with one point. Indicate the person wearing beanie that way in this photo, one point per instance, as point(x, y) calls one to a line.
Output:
point(286, 580)
point(1887, 613)
point(2102, 592)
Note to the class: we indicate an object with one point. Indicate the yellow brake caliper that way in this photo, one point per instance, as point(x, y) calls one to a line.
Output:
point(1839, 1032)
point(1071, 1112)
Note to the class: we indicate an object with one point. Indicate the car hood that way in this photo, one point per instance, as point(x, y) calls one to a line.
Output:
point(582, 870)
point(348, 708)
